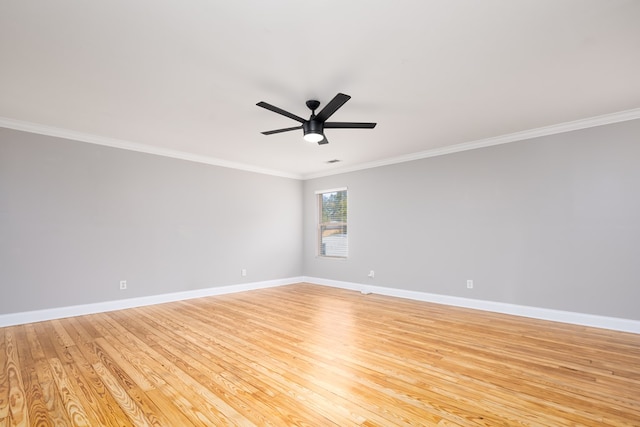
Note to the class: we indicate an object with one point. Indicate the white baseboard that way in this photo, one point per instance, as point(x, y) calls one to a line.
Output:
point(613, 323)
point(101, 307)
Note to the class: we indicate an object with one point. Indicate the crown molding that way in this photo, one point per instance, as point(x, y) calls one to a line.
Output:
point(605, 119)
point(134, 146)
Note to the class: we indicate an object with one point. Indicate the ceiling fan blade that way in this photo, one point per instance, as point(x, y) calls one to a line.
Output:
point(349, 125)
point(323, 141)
point(271, 132)
point(333, 105)
point(280, 111)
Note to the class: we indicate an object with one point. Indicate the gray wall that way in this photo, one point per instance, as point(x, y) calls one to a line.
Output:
point(552, 222)
point(76, 218)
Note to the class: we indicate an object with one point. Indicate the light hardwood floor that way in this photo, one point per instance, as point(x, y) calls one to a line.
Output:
point(315, 356)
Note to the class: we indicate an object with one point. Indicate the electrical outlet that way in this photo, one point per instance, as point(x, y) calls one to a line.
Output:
point(469, 284)
point(243, 272)
point(371, 274)
point(123, 285)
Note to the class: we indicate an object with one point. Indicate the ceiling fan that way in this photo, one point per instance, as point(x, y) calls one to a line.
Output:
point(314, 127)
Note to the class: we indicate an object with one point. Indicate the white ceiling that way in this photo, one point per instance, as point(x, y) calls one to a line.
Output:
point(182, 77)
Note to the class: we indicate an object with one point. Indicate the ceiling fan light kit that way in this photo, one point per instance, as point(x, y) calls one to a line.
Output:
point(313, 129)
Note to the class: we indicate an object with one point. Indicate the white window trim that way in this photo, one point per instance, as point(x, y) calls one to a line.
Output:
point(332, 190)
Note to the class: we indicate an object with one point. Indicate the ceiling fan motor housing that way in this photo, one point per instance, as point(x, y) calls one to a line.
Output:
point(313, 126)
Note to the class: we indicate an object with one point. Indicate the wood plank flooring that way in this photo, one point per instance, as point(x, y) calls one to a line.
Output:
point(305, 355)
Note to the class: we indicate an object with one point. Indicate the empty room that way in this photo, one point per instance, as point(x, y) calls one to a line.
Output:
point(287, 213)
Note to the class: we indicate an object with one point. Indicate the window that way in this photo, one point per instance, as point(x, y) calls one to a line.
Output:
point(332, 223)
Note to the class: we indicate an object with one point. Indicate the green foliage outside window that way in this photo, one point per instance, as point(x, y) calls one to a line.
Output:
point(334, 207)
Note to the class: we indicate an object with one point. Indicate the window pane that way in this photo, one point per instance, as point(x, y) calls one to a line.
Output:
point(334, 240)
point(332, 227)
